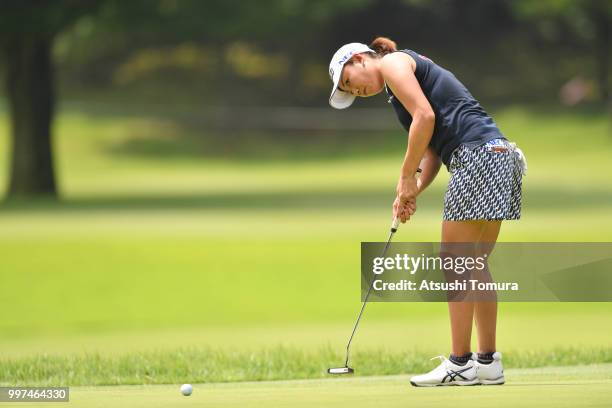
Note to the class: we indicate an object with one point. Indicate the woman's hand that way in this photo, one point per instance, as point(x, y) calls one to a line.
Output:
point(406, 212)
point(407, 189)
point(405, 203)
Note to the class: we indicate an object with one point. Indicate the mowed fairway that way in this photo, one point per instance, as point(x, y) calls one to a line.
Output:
point(587, 386)
point(153, 253)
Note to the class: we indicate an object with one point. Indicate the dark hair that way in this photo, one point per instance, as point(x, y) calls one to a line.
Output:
point(383, 46)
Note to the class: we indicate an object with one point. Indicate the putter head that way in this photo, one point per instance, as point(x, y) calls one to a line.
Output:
point(340, 370)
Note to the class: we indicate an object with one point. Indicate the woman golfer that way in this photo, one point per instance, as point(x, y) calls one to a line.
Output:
point(447, 125)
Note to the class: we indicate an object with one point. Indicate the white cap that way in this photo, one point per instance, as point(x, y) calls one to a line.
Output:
point(340, 99)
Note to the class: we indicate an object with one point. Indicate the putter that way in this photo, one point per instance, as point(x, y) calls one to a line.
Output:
point(346, 369)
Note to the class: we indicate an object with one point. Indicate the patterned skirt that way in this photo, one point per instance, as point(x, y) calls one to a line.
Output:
point(485, 182)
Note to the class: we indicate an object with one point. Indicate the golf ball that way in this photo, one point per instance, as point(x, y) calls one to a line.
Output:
point(186, 389)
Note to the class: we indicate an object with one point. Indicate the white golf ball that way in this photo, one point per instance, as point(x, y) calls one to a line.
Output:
point(186, 389)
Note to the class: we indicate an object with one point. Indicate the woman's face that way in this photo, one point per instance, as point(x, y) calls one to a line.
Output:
point(361, 76)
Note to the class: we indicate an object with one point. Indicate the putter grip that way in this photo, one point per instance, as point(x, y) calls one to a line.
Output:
point(395, 224)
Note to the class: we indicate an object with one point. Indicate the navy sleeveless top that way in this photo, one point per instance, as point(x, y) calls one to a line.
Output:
point(460, 120)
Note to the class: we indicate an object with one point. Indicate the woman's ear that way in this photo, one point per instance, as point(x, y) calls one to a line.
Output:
point(358, 59)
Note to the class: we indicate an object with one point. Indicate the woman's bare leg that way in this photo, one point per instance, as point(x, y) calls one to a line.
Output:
point(485, 313)
point(461, 313)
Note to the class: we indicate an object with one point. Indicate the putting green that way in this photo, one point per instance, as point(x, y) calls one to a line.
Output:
point(152, 252)
point(584, 386)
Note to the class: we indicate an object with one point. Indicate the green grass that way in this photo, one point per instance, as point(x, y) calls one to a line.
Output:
point(239, 251)
point(201, 365)
point(565, 387)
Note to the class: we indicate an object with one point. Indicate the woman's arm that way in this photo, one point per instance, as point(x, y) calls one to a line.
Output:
point(430, 165)
point(398, 72)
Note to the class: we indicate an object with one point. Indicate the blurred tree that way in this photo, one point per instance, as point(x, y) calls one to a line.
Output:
point(27, 31)
point(272, 28)
point(588, 21)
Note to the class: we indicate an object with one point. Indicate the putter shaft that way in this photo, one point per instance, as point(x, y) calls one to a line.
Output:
point(365, 301)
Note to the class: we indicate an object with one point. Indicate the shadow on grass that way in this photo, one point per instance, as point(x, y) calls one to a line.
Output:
point(548, 199)
point(193, 132)
point(255, 146)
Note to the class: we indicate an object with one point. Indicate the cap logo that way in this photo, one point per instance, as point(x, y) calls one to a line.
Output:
point(345, 58)
point(331, 73)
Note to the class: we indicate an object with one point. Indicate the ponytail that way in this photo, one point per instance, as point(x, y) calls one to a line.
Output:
point(383, 46)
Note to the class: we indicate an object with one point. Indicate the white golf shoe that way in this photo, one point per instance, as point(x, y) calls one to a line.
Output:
point(447, 373)
point(491, 373)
